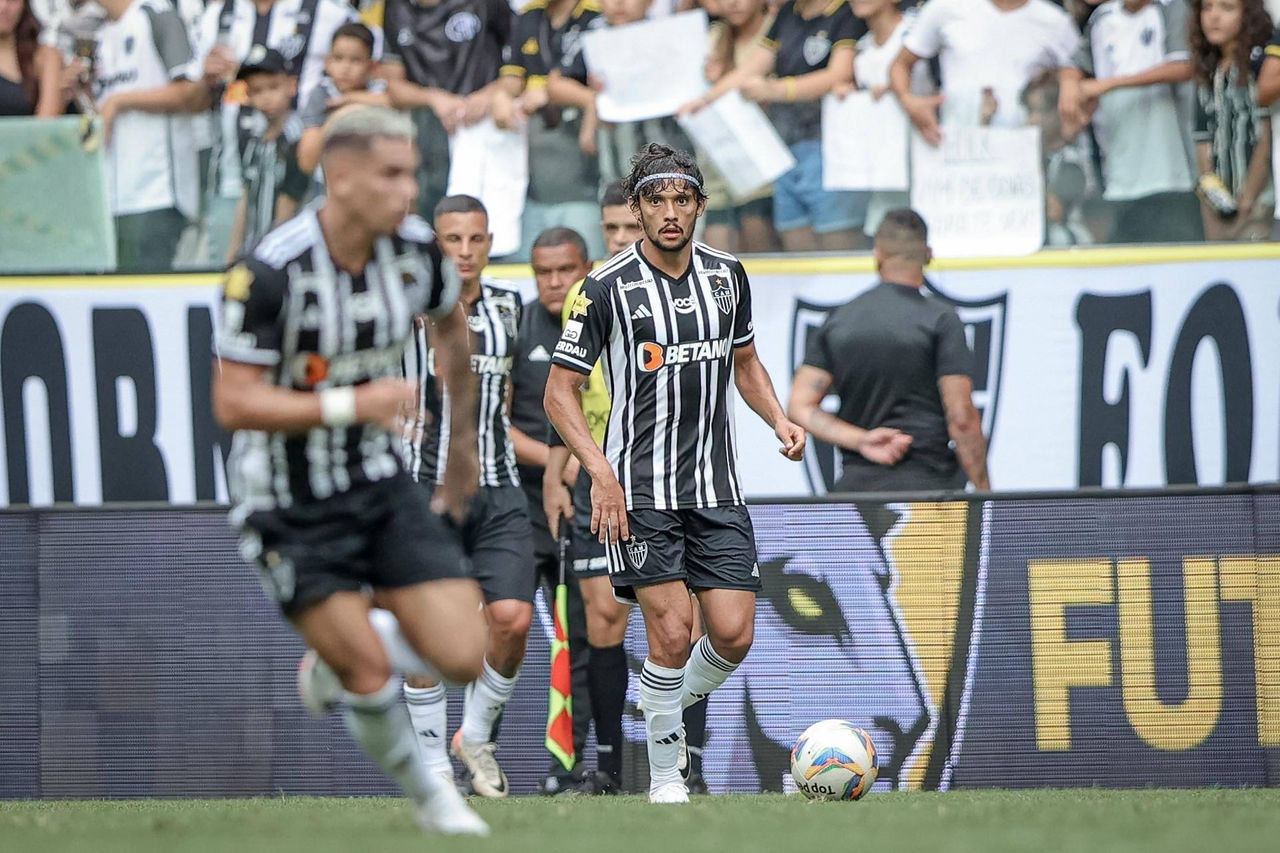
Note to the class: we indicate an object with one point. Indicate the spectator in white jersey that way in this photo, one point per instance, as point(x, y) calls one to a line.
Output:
point(987, 50)
point(809, 49)
point(348, 79)
point(1131, 77)
point(497, 534)
point(324, 506)
point(146, 103)
point(671, 320)
point(1074, 210)
point(302, 31)
point(274, 184)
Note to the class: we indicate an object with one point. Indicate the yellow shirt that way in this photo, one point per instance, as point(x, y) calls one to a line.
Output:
point(595, 394)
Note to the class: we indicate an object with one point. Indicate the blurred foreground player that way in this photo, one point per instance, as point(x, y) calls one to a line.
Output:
point(313, 326)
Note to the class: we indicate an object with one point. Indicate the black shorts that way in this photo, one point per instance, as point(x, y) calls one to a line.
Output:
point(498, 538)
point(587, 551)
point(381, 535)
point(711, 548)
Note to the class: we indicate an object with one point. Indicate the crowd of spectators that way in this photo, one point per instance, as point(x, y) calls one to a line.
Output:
point(1154, 115)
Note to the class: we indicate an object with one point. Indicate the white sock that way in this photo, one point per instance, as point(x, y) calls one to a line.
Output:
point(428, 709)
point(403, 658)
point(704, 672)
point(486, 697)
point(660, 691)
point(380, 724)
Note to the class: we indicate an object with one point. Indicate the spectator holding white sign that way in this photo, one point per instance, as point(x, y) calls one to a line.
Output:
point(807, 53)
point(988, 51)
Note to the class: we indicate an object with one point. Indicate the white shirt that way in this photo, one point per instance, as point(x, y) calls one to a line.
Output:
point(979, 46)
point(151, 161)
point(1143, 132)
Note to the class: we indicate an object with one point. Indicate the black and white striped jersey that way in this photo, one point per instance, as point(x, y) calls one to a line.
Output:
point(494, 321)
point(667, 348)
point(314, 327)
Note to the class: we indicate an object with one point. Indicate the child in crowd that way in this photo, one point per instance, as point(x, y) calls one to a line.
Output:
point(1232, 132)
point(273, 184)
point(1072, 202)
point(348, 79)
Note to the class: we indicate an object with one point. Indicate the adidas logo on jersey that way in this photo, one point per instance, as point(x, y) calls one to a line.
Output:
point(539, 353)
point(642, 313)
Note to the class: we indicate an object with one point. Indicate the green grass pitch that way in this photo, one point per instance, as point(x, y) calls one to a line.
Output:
point(989, 821)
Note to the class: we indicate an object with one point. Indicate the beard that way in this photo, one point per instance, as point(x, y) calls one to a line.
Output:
point(665, 244)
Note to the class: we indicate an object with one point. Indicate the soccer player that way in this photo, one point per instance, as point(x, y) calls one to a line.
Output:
point(497, 535)
point(672, 321)
point(310, 343)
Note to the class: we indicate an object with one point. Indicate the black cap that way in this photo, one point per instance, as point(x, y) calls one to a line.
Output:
point(263, 60)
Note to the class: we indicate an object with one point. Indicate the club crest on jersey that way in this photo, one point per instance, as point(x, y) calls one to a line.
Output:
point(637, 552)
point(816, 48)
point(580, 305)
point(722, 293)
point(984, 327)
point(475, 323)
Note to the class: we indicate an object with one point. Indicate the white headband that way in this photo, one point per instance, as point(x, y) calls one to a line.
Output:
point(669, 176)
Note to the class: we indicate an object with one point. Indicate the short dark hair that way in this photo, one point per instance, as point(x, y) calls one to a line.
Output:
point(615, 194)
point(354, 30)
point(658, 159)
point(562, 235)
point(459, 204)
point(904, 234)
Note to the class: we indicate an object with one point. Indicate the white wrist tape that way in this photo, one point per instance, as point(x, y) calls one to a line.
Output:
point(338, 406)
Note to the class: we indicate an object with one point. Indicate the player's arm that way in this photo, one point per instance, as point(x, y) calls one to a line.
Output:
point(965, 428)
point(453, 363)
point(557, 499)
point(244, 399)
point(882, 445)
point(563, 402)
point(529, 451)
point(757, 390)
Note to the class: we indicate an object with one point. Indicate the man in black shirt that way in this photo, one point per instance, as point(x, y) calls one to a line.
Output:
point(899, 363)
point(309, 351)
point(443, 58)
point(559, 259)
point(671, 319)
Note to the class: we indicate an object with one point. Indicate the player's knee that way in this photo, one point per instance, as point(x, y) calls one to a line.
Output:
point(362, 674)
point(734, 644)
point(461, 666)
point(606, 626)
point(509, 621)
point(669, 642)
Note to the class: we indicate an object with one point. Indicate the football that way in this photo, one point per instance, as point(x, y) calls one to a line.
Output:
point(834, 760)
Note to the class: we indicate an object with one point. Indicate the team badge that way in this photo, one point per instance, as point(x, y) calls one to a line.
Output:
point(637, 552)
point(475, 323)
point(580, 305)
point(816, 48)
point(722, 292)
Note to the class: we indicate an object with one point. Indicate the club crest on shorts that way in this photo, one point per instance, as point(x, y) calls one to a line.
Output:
point(637, 552)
